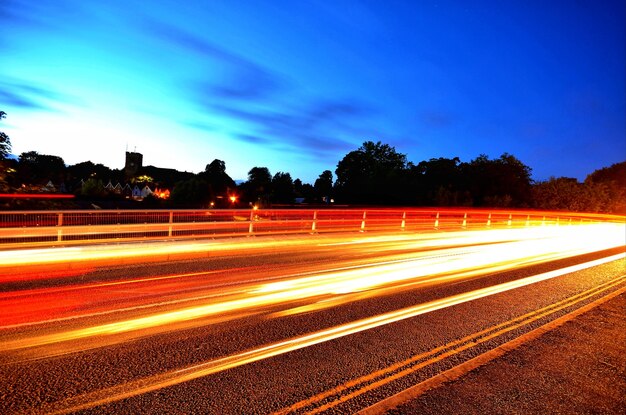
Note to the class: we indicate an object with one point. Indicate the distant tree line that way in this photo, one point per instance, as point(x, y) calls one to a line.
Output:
point(604, 190)
point(373, 174)
point(376, 174)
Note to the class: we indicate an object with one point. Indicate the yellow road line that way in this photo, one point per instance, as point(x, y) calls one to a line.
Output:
point(464, 368)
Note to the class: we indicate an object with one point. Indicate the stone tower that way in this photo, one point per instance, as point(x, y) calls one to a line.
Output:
point(133, 164)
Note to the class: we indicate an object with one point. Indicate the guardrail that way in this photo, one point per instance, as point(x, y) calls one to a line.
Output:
point(45, 228)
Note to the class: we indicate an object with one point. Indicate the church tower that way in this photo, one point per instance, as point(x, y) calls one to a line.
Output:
point(133, 164)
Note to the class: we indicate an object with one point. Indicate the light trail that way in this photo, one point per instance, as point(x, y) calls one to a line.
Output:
point(35, 196)
point(346, 284)
point(196, 371)
point(14, 264)
point(56, 300)
point(18, 306)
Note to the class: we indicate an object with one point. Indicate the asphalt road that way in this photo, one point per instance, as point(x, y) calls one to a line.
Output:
point(575, 368)
point(328, 325)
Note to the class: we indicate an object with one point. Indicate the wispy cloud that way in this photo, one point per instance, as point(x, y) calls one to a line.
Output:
point(253, 139)
point(436, 118)
point(200, 125)
point(18, 94)
point(318, 129)
point(246, 79)
point(263, 100)
point(12, 99)
point(38, 14)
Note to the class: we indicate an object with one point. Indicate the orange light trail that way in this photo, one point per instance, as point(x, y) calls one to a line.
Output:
point(35, 196)
point(517, 247)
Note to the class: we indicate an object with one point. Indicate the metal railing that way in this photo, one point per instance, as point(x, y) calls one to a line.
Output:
point(46, 228)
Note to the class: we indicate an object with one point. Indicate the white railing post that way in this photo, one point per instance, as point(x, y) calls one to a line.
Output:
point(169, 229)
point(314, 224)
point(363, 221)
point(437, 221)
point(60, 229)
point(464, 221)
point(402, 226)
point(251, 227)
point(510, 221)
point(489, 221)
point(527, 221)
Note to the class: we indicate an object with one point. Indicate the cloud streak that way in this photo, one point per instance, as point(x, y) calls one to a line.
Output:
point(319, 129)
point(262, 99)
point(20, 95)
point(247, 80)
point(36, 14)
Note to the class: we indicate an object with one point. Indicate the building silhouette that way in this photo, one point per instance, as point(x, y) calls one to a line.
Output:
point(133, 164)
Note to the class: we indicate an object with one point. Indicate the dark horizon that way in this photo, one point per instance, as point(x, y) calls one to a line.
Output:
point(373, 174)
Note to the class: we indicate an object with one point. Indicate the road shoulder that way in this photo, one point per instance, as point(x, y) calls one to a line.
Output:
point(578, 366)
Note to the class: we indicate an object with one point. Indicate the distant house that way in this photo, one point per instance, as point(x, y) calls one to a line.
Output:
point(136, 194)
point(146, 191)
point(118, 188)
point(49, 187)
point(109, 187)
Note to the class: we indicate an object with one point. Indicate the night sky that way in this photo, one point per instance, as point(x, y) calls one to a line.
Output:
point(296, 85)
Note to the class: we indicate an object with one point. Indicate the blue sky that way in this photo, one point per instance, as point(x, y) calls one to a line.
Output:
point(296, 85)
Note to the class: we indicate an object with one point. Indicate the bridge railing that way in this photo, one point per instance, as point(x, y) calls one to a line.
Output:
point(46, 228)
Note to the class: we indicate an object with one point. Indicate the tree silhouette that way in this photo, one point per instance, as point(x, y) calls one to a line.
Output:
point(324, 185)
point(216, 167)
point(282, 188)
point(613, 179)
point(258, 187)
point(87, 169)
point(614, 175)
point(218, 181)
point(190, 193)
point(564, 193)
point(93, 188)
point(35, 168)
point(5, 142)
point(371, 174)
point(501, 182)
point(303, 190)
point(439, 182)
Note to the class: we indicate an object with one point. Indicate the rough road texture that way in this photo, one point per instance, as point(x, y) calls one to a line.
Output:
point(578, 368)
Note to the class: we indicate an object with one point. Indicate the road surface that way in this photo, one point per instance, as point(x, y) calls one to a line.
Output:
point(312, 324)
